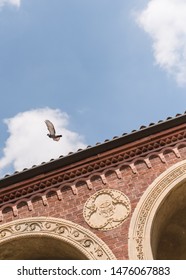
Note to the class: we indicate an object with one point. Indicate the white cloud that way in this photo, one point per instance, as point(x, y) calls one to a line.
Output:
point(10, 2)
point(28, 143)
point(164, 21)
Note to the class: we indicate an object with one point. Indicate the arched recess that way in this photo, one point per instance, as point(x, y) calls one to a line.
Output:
point(50, 238)
point(157, 215)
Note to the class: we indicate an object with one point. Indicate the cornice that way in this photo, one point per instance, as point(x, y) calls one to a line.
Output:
point(126, 155)
point(74, 158)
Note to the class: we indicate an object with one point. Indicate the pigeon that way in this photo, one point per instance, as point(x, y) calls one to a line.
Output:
point(52, 131)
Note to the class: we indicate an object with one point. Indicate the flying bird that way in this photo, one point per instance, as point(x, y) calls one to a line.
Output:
point(52, 131)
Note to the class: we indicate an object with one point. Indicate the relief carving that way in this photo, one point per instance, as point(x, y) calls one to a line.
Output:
point(87, 242)
point(140, 226)
point(106, 209)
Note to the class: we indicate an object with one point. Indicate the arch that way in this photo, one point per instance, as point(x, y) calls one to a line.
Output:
point(81, 242)
point(7, 206)
point(145, 215)
point(181, 145)
point(110, 175)
point(80, 182)
point(20, 202)
point(109, 171)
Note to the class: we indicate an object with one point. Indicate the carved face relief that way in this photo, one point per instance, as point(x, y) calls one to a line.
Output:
point(106, 209)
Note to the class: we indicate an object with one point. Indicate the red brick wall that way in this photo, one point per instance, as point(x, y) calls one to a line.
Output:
point(71, 206)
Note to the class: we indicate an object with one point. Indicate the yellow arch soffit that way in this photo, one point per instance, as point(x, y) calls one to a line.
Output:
point(75, 235)
point(142, 218)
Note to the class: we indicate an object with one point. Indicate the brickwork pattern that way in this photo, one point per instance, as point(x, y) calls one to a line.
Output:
point(66, 200)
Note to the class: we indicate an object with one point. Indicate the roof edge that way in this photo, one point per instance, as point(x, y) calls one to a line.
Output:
point(93, 151)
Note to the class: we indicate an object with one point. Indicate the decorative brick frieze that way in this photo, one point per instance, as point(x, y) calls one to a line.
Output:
point(27, 193)
point(25, 190)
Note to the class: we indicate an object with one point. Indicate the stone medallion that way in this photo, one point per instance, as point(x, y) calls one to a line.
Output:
point(106, 209)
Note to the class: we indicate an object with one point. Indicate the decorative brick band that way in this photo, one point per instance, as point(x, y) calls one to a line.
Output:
point(40, 187)
point(14, 195)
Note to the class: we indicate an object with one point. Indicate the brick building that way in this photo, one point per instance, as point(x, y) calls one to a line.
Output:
point(121, 199)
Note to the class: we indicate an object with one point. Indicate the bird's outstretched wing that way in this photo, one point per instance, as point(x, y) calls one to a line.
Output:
point(50, 127)
point(52, 131)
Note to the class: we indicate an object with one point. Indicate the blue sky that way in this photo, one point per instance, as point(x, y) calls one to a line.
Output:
point(96, 68)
